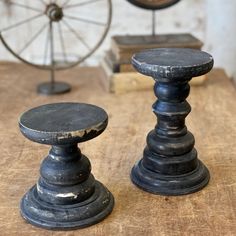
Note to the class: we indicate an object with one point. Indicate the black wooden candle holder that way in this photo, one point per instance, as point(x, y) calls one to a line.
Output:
point(67, 195)
point(170, 165)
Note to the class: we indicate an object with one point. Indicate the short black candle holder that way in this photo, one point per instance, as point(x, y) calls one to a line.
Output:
point(66, 196)
point(170, 165)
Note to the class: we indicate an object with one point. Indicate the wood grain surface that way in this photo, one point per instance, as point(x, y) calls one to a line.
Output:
point(211, 211)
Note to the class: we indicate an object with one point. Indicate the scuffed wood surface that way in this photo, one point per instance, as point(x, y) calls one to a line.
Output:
point(212, 120)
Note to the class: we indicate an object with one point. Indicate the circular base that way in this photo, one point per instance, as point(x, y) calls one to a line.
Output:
point(53, 88)
point(168, 184)
point(65, 217)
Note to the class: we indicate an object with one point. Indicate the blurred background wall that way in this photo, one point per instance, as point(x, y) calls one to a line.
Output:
point(221, 33)
point(212, 21)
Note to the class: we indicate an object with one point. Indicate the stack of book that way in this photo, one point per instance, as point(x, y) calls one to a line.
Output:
point(119, 74)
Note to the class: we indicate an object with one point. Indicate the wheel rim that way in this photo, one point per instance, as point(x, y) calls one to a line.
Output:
point(61, 19)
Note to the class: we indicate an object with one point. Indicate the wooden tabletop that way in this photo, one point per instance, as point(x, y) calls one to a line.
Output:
point(211, 211)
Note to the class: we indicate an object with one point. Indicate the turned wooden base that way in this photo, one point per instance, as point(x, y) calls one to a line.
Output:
point(157, 183)
point(67, 216)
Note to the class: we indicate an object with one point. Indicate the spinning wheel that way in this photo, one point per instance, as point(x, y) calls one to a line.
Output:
point(53, 34)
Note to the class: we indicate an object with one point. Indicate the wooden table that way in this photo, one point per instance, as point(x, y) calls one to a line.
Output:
point(211, 211)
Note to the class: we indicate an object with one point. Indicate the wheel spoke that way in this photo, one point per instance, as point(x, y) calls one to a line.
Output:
point(42, 1)
point(21, 23)
point(60, 28)
point(46, 46)
point(82, 3)
point(32, 39)
point(62, 41)
point(66, 3)
point(52, 53)
point(85, 20)
point(24, 6)
point(76, 34)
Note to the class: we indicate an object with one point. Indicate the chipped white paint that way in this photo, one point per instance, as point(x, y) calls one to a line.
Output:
point(105, 201)
point(60, 195)
point(81, 133)
point(39, 189)
point(65, 135)
point(67, 195)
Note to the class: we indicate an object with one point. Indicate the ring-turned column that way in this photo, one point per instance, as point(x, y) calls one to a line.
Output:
point(170, 164)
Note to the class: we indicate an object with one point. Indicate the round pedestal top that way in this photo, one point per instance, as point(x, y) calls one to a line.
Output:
point(169, 63)
point(63, 123)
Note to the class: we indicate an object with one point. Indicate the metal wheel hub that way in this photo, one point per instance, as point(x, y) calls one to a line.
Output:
point(54, 12)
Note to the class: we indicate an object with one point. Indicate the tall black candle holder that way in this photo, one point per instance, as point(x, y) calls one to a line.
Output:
point(170, 165)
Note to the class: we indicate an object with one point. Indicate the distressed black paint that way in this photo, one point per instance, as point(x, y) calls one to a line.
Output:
point(67, 195)
point(170, 165)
